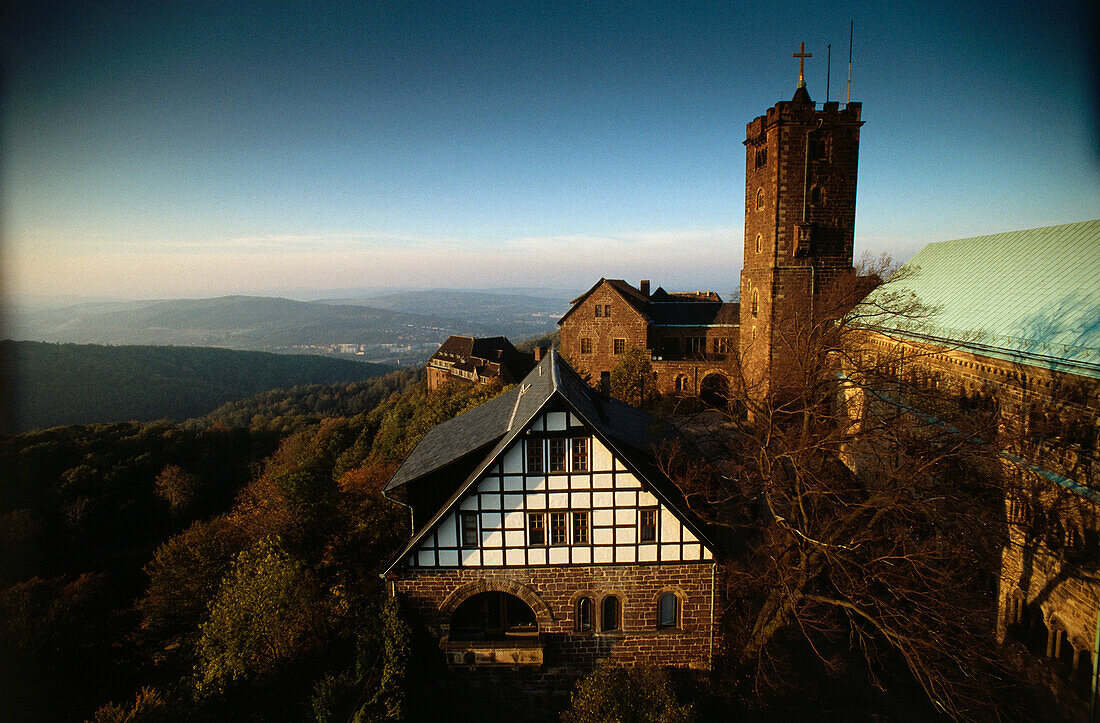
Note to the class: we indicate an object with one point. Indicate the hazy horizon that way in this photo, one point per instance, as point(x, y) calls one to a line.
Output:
point(202, 151)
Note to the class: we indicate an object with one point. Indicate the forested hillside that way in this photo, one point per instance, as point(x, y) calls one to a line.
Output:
point(56, 384)
point(201, 572)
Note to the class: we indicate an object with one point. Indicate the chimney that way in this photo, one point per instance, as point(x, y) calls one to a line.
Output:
point(540, 351)
point(644, 286)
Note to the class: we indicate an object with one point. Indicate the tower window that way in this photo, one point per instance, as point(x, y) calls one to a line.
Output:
point(816, 197)
point(755, 306)
point(761, 157)
point(759, 242)
point(760, 199)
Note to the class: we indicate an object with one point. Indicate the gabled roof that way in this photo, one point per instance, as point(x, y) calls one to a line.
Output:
point(492, 355)
point(631, 295)
point(1028, 296)
point(628, 432)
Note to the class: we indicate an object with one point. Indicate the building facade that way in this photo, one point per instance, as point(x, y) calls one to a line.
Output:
point(469, 360)
point(691, 338)
point(547, 538)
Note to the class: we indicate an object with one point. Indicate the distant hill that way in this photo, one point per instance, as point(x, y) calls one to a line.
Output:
point(247, 322)
point(58, 384)
point(515, 315)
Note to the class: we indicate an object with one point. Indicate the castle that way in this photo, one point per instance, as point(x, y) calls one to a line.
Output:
point(548, 539)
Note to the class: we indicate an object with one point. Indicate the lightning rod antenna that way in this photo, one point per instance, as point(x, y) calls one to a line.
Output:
point(828, 68)
point(851, 33)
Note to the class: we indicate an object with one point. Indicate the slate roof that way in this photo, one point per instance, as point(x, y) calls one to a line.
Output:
point(489, 355)
point(663, 308)
point(629, 432)
point(1029, 296)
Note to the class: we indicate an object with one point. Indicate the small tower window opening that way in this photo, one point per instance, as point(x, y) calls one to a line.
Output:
point(816, 197)
point(681, 383)
point(760, 199)
point(582, 617)
point(759, 242)
point(534, 456)
point(470, 536)
point(754, 308)
point(667, 610)
point(611, 619)
point(557, 455)
point(761, 157)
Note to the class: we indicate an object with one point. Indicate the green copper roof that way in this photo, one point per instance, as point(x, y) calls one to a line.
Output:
point(1027, 296)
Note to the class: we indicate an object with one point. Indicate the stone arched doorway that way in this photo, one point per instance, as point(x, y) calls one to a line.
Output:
point(493, 615)
point(715, 390)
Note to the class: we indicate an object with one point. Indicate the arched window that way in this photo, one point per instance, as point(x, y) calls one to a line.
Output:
point(583, 614)
point(760, 199)
point(759, 242)
point(668, 609)
point(815, 196)
point(755, 308)
point(681, 383)
point(611, 618)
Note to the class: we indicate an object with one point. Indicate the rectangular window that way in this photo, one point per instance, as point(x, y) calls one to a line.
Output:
point(534, 456)
point(721, 346)
point(580, 528)
point(557, 455)
point(607, 310)
point(468, 520)
point(620, 346)
point(536, 528)
point(580, 454)
point(647, 525)
point(599, 311)
point(558, 531)
point(586, 346)
point(696, 345)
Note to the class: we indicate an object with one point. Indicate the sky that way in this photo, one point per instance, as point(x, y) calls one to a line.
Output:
point(193, 149)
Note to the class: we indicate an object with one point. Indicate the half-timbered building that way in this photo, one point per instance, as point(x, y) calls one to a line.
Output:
point(547, 536)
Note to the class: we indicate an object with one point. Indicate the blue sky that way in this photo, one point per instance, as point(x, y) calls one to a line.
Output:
point(199, 149)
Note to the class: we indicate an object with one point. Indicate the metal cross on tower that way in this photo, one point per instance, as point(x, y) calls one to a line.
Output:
point(802, 55)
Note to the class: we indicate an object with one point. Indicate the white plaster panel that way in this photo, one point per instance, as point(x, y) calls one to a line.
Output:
point(625, 554)
point(627, 481)
point(492, 539)
point(493, 557)
point(559, 501)
point(707, 554)
point(513, 483)
point(645, 499)
point(625, 499)
point(602, 481)
point(580, 500)
point(647, 553)
point(426, 558)
point(446, 532)
point(513, 460)
point(559, 555)
point(448, 558)
point(489, 483)
point(556, 421)
point(626, 535)
point(625, 517)
point(490, 502)
point(513, 502)
point(670, 552)
point(689, 536)
point(534, 484)
point(603, 517)
point(603, 554)
point(670, 527)
point(514, 557)
point(536, 501)
point(514, 538)
point(602, 499)
point(601, 456)
point(471, 558)
point(559, 482)
point(602, 536)
point(582, 555)
point(514, 520)
point(693, 552)
point(490, 520)
point(469, 503)
point(537, 555)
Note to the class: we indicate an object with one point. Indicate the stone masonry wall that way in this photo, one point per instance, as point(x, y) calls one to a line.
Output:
point(582, 323)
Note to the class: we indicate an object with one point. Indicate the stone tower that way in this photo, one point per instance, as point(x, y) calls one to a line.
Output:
point(800, 212)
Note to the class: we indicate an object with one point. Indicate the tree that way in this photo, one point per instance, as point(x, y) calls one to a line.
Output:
point(868, 506)
point(614, 694)
point(632, 379)
point(177, 487)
